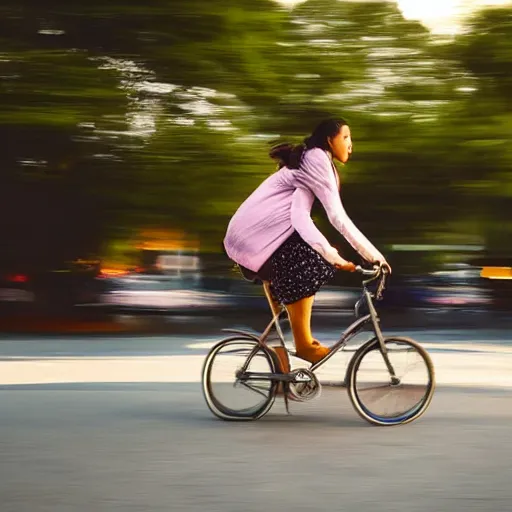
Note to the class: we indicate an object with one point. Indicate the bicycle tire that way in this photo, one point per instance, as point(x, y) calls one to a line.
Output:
point(248, 346)
point(417, 410)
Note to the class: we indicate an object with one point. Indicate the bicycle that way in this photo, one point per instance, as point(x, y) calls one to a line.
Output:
point(259, 369)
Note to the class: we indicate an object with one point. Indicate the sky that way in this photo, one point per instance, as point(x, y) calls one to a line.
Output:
point(440, 16)
point(444, 16)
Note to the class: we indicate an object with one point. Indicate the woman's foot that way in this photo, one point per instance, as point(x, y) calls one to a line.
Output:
point(313, 352)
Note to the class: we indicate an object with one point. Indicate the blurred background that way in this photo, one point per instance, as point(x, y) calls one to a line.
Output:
point(131, 133)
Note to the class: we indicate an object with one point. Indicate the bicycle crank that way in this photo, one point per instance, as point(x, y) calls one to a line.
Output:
point(305, 385)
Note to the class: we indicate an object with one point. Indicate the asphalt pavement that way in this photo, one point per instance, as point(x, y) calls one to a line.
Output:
point(106, 424)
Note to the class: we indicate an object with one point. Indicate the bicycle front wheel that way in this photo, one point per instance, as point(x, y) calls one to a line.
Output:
point(236, 379)
point(372, 391)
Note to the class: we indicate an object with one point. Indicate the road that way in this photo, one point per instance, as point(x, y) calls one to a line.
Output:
point(120, 424)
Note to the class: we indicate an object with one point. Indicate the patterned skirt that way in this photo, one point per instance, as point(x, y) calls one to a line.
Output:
point(298, 271)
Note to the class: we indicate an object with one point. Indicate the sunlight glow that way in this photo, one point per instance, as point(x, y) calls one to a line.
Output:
point(439, 16)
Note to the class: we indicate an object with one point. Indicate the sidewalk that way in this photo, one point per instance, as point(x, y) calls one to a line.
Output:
point(458, 365)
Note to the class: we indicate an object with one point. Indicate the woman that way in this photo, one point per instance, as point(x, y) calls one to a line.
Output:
point(273, 236)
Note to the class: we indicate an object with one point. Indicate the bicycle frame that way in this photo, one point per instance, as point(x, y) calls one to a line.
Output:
point(355, 328)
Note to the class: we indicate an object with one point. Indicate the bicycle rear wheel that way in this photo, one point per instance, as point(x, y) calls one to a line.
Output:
point(235, 395)
point(372, 392)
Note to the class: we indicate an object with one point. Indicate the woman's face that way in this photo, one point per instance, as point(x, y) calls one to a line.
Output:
point(341, 145)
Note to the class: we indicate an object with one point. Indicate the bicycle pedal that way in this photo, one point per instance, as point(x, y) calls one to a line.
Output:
point(301, 375)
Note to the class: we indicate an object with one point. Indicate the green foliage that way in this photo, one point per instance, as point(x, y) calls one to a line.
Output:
point(160, 114)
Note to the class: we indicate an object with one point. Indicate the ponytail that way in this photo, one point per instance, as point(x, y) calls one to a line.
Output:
point(289, 155)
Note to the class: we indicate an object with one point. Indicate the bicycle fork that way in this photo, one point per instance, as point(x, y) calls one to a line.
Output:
point(395, 381)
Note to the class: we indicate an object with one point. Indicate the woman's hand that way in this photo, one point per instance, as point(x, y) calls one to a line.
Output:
point(345, 265)
point(385, 266)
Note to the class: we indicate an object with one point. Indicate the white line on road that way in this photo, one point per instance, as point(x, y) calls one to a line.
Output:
point(469, 369)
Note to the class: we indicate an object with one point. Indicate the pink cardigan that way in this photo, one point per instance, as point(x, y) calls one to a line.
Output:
point(282, 204)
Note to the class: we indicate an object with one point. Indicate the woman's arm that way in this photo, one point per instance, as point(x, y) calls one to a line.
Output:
point(302, 202)
point(317, 175)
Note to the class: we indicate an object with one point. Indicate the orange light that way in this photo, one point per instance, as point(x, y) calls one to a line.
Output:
point(496, 272)
point(111, 272)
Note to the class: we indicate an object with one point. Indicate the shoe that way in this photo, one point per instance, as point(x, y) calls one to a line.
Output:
point(314, 352)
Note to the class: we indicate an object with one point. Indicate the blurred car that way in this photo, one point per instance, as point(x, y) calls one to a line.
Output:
point(143, 292)
point(155, 291)
point(459, 285)
point(61, 288)
point(16, 287)
point(456, 285)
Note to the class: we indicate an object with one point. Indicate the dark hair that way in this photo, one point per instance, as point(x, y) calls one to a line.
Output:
point(290, 155)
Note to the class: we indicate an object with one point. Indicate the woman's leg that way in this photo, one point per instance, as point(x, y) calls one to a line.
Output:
point(299, 314)
point(300, 319)
point(276, 309)
point(274, 305)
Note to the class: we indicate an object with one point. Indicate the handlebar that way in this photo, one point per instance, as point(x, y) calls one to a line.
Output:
point(376, 272)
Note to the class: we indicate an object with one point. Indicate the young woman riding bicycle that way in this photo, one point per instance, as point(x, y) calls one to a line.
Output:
point(273, 238)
